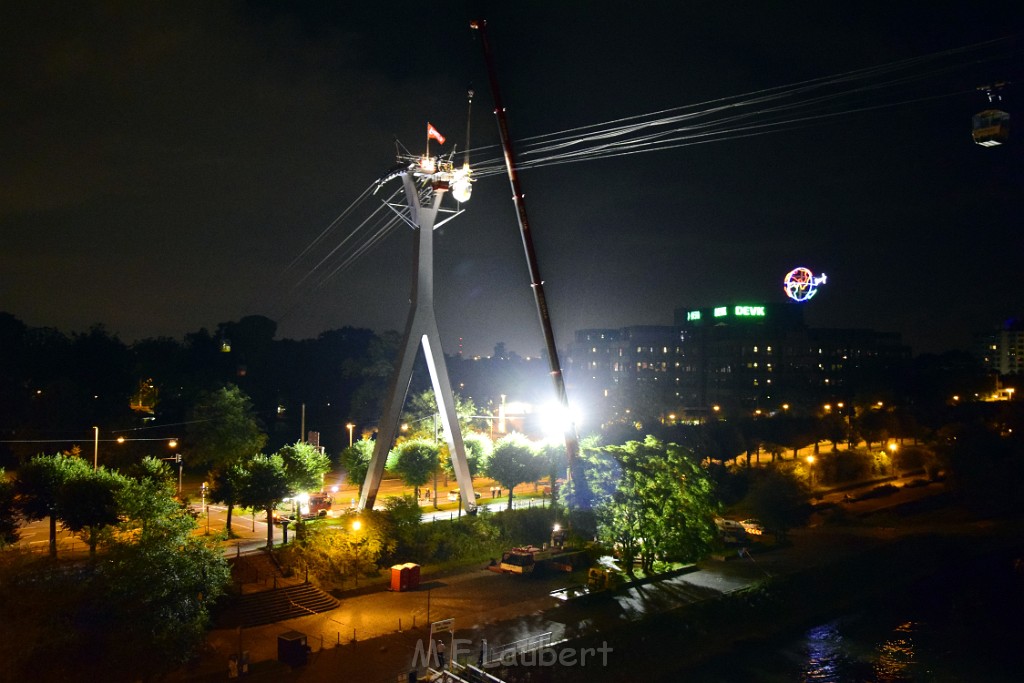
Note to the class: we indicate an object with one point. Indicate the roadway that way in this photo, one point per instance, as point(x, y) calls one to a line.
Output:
point(250, 529)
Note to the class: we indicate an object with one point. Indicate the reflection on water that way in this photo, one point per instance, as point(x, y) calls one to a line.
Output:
point(896, 655)
point(825, 658)
point(967, 631)
point(836, 652)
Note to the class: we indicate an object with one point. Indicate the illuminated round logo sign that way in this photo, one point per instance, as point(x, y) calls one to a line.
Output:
point(801, 284)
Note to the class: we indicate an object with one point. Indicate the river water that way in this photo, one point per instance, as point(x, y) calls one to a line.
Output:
point(963, 626)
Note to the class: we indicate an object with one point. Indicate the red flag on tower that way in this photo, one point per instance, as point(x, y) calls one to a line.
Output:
point(432, 133)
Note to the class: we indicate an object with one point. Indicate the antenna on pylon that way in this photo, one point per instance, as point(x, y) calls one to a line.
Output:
point(469, 118)
point(462, 184)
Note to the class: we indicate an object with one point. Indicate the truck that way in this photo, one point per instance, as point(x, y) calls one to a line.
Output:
point(318, 505)
point(309, 506)
point(528, 559)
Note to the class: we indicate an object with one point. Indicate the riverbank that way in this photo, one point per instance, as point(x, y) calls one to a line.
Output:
point(660, 628)
point(826, 571)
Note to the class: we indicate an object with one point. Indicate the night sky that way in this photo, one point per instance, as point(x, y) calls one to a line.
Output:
point(163, 166)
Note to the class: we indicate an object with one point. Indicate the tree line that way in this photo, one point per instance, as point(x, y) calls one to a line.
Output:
point(55, 387)
point(137, 610)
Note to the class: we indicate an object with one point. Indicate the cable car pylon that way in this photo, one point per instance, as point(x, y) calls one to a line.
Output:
point(426, 181)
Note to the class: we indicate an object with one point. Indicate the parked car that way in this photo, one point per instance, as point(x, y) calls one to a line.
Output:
point(455, 494)
point(728, 524)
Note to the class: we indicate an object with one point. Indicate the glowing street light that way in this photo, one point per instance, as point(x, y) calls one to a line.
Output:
point(350, 427)
point(810, 468)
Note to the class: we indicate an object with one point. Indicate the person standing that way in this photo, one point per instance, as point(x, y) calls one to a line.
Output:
point(440, 653)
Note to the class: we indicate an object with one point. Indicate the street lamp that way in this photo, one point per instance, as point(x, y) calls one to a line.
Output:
point(350, 427)
point(810, 468)
point(892, 458)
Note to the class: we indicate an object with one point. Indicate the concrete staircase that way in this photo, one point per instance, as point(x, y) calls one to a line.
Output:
point(266, 596)
point(267, 607)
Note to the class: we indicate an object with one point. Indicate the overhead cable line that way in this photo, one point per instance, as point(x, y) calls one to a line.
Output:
point(765, 111)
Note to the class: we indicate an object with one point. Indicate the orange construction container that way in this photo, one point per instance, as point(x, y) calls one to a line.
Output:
point(399, 577)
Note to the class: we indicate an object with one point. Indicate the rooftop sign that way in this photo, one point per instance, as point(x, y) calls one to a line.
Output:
point(749, 311)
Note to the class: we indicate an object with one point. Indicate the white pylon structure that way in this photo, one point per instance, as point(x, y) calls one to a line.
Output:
point(425, 182)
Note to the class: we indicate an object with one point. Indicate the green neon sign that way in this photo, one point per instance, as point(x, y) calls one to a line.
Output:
point(721, 311)
point(749, 311)
point(693, 315)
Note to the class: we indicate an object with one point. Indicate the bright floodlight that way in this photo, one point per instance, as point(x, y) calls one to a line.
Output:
point(555, 421)
point(462, 186)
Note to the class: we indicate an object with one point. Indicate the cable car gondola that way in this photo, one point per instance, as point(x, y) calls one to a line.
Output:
point(991, 127)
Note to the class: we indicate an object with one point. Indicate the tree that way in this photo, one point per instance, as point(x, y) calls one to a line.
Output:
point(555, 463)
point(223, 432)
point(356, 461)
point(38, 488)
point(264, 486)
point(876, 425)
point(423, 406)
point(662, 506)
point(149, 511)
point(835, 429)
point(153, 469)
point(157, 582)
point(89, 503)
point(8, 512)
point(137, 615)
point(414, 462)
point(592, 484)
point(780, 500)
point(478, 451)
point(305, 466)
point(226, 482)
point(333, 554)
point(725, 441)
point(513, 462)
point(223, 429)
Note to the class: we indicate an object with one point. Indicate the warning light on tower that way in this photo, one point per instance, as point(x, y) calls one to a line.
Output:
point(801, 284)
